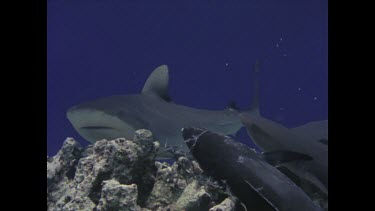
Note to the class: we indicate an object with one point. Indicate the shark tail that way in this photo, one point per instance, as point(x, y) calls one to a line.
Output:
point(254, 108)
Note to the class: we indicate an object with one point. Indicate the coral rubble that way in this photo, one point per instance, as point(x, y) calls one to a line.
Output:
point(122, 174)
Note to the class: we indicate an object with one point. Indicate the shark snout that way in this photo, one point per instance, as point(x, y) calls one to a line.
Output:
point(95, 124)
point(90, 119)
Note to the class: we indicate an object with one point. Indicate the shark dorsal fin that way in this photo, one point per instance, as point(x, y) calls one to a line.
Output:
point(157, 83)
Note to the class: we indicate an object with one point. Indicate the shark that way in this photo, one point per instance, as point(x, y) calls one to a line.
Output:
point(152, 109)
point(271, 136)
point(310, 139)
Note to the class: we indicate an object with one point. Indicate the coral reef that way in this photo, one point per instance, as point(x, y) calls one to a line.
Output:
point(122, 174)
point(227, 205)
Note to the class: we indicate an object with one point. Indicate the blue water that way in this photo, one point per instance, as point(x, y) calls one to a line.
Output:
point(98, 48)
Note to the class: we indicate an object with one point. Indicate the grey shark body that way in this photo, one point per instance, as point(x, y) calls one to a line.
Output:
point(120, 115)
point(310, 139)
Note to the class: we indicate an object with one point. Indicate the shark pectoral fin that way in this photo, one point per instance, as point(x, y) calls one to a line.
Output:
point(317, 183)
point(308, 182)
point(157, 83)
point(290, 174)
point(283, 156)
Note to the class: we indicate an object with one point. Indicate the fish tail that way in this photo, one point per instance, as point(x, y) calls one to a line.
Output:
point(254, 108)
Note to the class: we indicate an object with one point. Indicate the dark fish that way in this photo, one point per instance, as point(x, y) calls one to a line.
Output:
point(258, 185)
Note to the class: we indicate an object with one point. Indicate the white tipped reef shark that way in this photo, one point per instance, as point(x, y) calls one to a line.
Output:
point(310, 139)
point(271, 136)
point(120, 115)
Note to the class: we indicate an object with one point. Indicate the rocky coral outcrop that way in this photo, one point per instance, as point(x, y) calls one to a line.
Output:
point(122, 174)
point(116, 196)
point(227, 205)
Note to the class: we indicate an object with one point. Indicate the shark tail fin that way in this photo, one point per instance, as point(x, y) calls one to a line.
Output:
point(254, 108)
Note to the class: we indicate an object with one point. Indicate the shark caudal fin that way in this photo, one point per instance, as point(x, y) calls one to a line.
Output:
point(254, 108)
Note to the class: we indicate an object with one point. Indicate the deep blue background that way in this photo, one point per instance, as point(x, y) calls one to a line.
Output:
point(98, 48)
